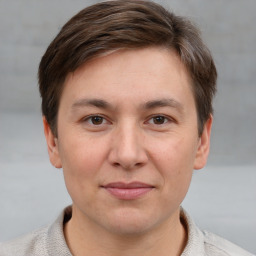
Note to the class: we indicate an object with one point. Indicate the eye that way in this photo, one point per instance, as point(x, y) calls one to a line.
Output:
point(158, 120)
point(96, 120)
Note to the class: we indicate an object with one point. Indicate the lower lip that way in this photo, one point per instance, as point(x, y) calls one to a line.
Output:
point(128, 193)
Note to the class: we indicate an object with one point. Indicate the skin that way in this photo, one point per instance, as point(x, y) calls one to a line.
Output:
point(145, 130)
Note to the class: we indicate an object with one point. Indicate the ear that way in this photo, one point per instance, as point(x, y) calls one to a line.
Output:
point(203, 145)
point(52, 145)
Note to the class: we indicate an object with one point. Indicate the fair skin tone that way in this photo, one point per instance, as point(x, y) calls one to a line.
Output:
point(128, 143)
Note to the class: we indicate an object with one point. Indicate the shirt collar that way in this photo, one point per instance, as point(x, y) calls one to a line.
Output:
point(56, 244)
point(195, 243)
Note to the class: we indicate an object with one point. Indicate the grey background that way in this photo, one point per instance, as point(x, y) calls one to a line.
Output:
point(222, 197)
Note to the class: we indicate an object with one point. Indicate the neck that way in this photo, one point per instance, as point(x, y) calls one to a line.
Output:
point(85, 239)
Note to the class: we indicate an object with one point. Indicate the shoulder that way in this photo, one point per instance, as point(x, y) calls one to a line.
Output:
point(46, 241)
point(30, 244)
point(216, 245)
point(202, 243)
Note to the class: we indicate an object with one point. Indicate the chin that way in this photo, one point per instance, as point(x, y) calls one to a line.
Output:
point(130, 222)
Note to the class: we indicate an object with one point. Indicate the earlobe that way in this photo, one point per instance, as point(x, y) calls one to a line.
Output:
point(52, 145)
point(203, 145)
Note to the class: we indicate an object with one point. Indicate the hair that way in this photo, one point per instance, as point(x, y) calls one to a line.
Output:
point(130, 24)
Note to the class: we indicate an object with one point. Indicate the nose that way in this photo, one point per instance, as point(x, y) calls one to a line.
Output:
point(127, 148)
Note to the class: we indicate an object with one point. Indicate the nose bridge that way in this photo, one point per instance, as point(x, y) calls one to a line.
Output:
point(129, 139)
point(128, 149)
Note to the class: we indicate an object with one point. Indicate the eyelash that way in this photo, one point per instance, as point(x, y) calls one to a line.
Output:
point(103, 120)
point(88, 119)
point(165, 119)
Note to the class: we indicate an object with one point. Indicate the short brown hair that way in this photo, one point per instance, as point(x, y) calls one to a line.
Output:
point(129, 24)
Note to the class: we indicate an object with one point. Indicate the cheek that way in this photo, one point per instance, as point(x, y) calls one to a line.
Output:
point(81, 165)
point(81, 161)
point(174, 160)
point(175, 152)
point(80, 155)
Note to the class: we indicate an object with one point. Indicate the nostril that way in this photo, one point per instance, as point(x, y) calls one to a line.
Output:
point(116, 164)
point(128, 166)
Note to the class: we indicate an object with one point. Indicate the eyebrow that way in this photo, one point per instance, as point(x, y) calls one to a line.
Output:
point(164, 103)
point(100, 103)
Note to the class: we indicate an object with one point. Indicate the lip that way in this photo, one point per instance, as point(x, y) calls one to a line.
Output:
point(128, 191)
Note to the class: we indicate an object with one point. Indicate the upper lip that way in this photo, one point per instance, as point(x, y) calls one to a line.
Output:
point(130, 185)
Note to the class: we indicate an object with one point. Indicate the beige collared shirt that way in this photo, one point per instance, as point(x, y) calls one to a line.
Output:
point(50, 241)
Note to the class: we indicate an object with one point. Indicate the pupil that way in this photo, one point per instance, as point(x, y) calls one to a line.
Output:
point(97, 120)
point(159, 120)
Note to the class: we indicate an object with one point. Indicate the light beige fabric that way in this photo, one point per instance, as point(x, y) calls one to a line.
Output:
point(50, 241)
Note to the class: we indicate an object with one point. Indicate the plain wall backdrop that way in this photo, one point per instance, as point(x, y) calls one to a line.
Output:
point(222, 197)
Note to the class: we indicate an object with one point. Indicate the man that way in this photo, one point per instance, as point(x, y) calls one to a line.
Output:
point(127, 92)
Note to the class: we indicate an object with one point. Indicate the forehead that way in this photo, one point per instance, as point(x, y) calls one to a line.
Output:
point(148, 70)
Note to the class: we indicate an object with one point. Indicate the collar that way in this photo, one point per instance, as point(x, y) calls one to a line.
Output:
point(195, 243)
point(56, 244)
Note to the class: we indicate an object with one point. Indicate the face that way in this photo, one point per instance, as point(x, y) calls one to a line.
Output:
point(128, 139)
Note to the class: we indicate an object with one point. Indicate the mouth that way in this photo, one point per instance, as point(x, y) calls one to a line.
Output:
point(128, 191)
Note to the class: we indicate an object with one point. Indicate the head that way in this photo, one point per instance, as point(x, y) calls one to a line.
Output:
point(114, 25)
point(127, 90)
